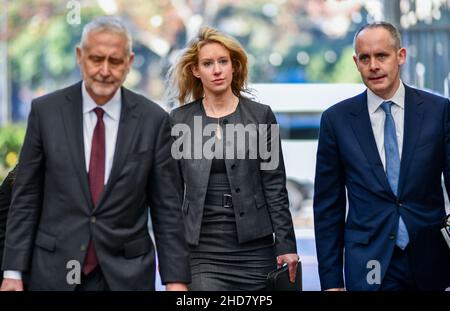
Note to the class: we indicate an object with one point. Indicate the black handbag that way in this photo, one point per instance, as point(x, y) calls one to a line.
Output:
point(278, 280)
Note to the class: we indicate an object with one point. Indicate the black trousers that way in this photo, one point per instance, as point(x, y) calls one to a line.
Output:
point(94, 281)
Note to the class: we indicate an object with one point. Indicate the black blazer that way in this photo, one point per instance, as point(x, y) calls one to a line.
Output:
point(52, 218)
point(5, 202)
point(260, 198)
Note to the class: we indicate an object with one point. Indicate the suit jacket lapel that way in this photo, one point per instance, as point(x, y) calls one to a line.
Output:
point(202, 165)
point(73, 123)
point(411, 131)
point(362, 128)
point(129, 119)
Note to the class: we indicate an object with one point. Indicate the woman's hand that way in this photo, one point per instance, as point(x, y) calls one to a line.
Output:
point(292, 261)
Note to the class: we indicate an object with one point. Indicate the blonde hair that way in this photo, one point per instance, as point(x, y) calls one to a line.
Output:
point(185, 87)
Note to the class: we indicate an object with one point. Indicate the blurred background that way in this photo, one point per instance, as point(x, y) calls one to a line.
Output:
point(289, 42)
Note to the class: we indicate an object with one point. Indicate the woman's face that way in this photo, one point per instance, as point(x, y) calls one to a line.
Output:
point(214, 68)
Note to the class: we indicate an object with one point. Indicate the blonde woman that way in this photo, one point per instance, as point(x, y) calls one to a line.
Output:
point(236, 210)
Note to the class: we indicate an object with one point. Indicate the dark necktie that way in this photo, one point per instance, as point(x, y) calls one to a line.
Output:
point(393, 167)
point(96, 180)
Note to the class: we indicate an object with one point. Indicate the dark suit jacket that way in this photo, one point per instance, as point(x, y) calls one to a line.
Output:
point(5, 202)
point(260, 198)
point(348, 159)
point(52, 218)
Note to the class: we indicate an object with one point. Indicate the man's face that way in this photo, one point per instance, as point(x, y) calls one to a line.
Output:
point(104, 63)
point(379, 61)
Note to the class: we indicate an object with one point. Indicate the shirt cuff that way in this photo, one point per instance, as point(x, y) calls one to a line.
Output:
point(12, 274)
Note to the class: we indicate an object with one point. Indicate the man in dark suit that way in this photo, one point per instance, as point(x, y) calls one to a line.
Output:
point(386, 150)
point(95, 156)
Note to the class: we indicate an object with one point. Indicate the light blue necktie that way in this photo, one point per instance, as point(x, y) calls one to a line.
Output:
point(393, 166)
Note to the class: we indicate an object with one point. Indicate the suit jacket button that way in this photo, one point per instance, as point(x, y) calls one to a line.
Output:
point(392, 237)
point(233, 166)
point(400, 204)
point(238, 190)
point(241, 214)
point(93, 219)
point(83, 248)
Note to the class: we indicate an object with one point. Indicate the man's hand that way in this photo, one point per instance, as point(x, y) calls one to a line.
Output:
point(12, 285)
point(176, 287)
point(292, 261)
point(340, 289)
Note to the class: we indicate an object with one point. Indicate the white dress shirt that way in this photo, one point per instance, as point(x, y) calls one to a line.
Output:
point(378, 116)
point(111, 119)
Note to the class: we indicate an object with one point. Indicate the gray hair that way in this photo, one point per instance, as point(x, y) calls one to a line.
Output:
point(106, 23)
point(393, 31)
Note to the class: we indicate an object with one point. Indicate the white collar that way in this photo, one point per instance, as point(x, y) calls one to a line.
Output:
point(111, 107)
point(374, 101)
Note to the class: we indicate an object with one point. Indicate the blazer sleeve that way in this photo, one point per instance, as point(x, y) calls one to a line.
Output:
point(329, 208)
point(447, 146)
point(175, 152)
point(5, 202)
point(273, 177)
point(165, 201)
point(26, 201)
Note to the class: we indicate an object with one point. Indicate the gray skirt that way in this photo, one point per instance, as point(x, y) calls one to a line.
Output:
point(234, 271)
point(219, 262)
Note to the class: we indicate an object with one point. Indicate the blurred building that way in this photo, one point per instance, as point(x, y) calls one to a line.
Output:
point(425, 29)
point(289, 41)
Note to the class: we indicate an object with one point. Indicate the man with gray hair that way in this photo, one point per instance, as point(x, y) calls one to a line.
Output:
point(95, 156)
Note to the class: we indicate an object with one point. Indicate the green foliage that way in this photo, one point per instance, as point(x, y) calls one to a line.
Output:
point(316, 70)
point(342, 71)
point(11, 139)
point(44, 46)
point(60, 54)
point(345, 69)
point(25, 52)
